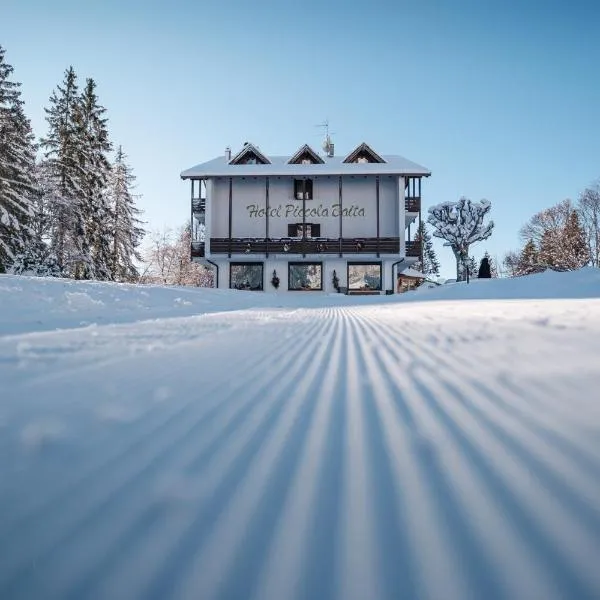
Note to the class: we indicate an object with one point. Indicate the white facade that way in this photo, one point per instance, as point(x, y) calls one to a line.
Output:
point(344, 214)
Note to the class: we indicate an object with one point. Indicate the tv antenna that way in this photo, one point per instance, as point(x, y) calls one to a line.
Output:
point(327, 142)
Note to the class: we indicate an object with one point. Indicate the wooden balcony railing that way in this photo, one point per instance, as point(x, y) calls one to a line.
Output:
point(412, 204)
point(413, 249)
point(197, 249)
point(199, 205)
point(307, 246)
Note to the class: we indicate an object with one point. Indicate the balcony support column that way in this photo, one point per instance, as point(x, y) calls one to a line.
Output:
point(421, 241)
point(230, 215)
point(304, 217)
point(267, 217)
point(341, 223)
point(377, 210)
point(191, 215)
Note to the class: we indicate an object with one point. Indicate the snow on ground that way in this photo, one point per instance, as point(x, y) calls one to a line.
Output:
point(214, 444)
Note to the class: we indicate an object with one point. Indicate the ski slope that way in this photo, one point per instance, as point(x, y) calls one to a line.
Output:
point(198, 444)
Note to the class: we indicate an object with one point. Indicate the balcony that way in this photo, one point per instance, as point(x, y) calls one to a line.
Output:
point(412, 204)
point(305, 246)
point(198, 205)
point(197, 250)
point(413, 249)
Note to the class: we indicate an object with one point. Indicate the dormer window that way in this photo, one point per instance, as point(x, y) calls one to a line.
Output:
point(249, 155)
point(363, 154)
point(303, 189)
point(306, 156)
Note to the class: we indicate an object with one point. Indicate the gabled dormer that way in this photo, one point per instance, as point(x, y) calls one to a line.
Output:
point(249, 155)
point(306, 156)
point(363, 154)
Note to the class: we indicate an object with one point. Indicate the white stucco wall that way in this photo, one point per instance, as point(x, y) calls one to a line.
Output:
point(359, 214)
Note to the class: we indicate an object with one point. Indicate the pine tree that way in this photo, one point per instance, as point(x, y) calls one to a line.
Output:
point(550, 249)
point(93, 239)
point(62, 165)
point(37, 258)
point(493, 265)
point(430, 264)
point(17, 163)
point(574, 251)
point(529, 260)
point(485, 269)
point(127, 231)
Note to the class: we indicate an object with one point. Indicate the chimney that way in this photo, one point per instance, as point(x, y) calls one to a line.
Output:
point(228, 154)
point(330, 152)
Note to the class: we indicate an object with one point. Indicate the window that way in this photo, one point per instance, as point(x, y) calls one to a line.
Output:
point(313, 230)
point(303, 186)
point(305, 276)
point(246, 276)
point(364, 276)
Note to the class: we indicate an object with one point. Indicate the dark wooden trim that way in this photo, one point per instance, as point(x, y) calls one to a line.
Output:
point(320, 289)
point(295, 246)
point(230, 217)
point(198, 249)
point(365, 262)
point(252, 263)
point(377, 210)
point(192, 213)
point(267, 213)
point(304, 217)
point(340, 202)
point(422, 245)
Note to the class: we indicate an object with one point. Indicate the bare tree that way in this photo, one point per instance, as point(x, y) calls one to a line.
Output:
point(511, 263)
point(159, 257)
point(552, 219)
point(167, 261)
point(461, 224)
point(589, 216)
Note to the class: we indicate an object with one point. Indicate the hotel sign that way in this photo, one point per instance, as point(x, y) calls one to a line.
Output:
point(296, 212)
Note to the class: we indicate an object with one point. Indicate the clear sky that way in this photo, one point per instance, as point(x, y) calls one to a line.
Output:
point(500, 99)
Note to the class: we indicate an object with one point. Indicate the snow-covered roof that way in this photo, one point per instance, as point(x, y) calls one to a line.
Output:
point(408, 272)
point(332, 165)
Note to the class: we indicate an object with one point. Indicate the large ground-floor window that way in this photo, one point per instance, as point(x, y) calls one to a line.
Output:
point(246, 276)
point(364, 276)
point(305, 276)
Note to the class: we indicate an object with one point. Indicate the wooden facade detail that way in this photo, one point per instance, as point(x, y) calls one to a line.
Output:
point(347, 246)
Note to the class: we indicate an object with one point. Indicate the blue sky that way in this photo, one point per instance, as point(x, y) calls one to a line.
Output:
point(499, 99)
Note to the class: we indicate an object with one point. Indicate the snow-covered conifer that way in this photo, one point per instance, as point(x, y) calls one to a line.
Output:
point(430, 264)
point(17, 164)
point(529, 260)
point(93, 236)
point(127, 231)
point(575, 252)
point(62, 167)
